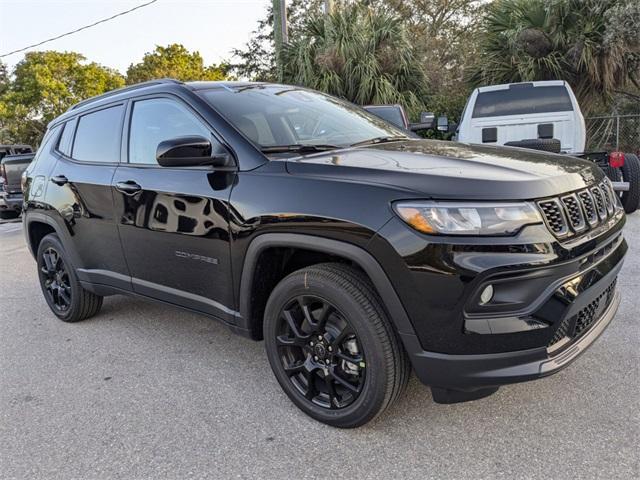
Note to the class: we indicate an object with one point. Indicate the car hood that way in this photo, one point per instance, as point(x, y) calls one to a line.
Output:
point(440, 169)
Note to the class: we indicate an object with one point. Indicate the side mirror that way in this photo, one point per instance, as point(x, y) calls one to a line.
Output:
point(194, 151)
point(443, 124)
point(428, 118)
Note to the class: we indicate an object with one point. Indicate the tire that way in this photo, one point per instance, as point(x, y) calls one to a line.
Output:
point(631, 173)
point(66, 298)
point(9, 214)
point(355, 326)
point(551, 145)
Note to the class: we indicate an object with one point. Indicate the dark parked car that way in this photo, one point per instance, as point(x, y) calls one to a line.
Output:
point(355, 252)
point(12, 165)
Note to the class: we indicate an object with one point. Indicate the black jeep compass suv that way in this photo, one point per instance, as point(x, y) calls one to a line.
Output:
point(356, 252)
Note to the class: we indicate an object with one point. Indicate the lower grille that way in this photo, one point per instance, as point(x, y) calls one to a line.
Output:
point(587, 316)
point(575, 326)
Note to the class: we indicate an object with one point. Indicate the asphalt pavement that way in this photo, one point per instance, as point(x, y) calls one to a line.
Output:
point(144, 391)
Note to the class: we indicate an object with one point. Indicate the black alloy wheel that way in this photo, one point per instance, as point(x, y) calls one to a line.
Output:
point(319, 350)
point(331, 346)
point(66, 297)
point(56, 279)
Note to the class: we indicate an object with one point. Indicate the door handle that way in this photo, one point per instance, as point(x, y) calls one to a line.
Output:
point(128, 188)
point(60, 180)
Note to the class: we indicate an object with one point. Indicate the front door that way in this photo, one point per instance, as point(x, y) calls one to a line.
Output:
point(173, 222)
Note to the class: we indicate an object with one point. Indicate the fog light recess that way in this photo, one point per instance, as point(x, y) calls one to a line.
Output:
point(486, 295)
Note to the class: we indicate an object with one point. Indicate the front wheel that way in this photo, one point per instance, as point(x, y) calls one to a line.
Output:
point(331, 346)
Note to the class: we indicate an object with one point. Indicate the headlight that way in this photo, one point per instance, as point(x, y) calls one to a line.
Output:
point(458, 218)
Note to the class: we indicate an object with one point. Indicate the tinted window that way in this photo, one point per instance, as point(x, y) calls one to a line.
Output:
point(281, 115)
point(64, 145)
point(154, 121)
point(390, 114)
point(98, 136)
point(522, 100)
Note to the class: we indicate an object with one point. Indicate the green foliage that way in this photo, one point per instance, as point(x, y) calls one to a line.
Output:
point(444, 33)
point(592, 44)
point(358, 53)
point(174, 61)
point(43, 86)
point(256, 60)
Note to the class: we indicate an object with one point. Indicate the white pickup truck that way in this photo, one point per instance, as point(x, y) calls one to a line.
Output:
point(545, 116)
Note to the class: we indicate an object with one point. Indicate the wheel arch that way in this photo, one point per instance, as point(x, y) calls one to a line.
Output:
point(359, 257)
point(37, 226)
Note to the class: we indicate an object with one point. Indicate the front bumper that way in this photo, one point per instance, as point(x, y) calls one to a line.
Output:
point(480, 371)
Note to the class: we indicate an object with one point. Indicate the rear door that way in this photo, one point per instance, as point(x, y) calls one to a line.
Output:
point(173, 222)
point(79, 190)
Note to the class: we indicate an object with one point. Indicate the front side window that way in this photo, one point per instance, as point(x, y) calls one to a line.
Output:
point(98, 136)
point(271, 115)
point(156, 120)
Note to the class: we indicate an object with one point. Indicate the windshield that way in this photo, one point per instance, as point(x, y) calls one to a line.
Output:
point(279, 115)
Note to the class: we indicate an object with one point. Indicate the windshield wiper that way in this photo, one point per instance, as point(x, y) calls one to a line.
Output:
point(300, 148)
point(376, 140)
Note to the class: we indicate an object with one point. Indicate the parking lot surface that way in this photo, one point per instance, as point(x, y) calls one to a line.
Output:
point(144, 391)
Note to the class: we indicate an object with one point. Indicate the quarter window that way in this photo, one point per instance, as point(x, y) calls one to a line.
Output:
point(64, 145)
point(156, 120)
point(98, 136)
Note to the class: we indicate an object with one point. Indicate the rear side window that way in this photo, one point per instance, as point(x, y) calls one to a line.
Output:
point(98, 136)
point(522, 100)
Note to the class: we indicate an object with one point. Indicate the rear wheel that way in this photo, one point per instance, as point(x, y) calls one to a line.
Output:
point(631, 173)
point(331, 346)
point(66, 298)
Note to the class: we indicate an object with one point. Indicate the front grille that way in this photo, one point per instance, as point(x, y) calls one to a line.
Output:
point(554, 216)
point(589, 208)
point(575, 213)
point(598, 198)
point(575, 326)
point(576, 218)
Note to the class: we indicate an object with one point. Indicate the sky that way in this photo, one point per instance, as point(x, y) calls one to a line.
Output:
point(212, 27)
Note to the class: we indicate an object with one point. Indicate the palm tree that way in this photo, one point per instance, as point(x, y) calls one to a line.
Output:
point(580, 41)
point(358, 53)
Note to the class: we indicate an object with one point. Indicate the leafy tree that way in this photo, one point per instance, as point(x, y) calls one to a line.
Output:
point(592, 44)
point(174, 61)
point(359, 53)
point(444, 33)
point(45, 84)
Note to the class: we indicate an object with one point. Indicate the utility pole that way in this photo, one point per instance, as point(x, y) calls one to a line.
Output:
point(280, 35)
point(328, 6)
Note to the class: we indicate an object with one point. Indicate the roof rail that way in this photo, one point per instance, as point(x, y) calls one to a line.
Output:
point(148, 83)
